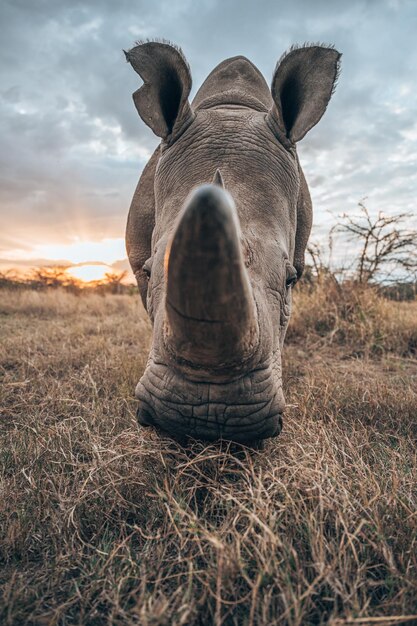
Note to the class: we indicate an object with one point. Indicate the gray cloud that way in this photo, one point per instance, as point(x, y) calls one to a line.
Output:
point(73, 146)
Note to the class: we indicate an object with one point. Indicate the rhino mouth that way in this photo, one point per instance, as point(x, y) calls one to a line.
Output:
point(243, 410)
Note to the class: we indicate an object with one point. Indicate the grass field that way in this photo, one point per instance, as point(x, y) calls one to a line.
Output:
point(105, 523)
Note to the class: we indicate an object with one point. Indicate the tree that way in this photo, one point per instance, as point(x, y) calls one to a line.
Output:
point(386, 245)
point(55, 276)
point(114, 281)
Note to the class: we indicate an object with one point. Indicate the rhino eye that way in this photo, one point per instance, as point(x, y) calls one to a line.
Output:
point(147, 270)
point(291, 278)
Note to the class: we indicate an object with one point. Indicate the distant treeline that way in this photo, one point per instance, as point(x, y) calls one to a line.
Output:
point(57, 278)
point(54, 278)
point(396, 290)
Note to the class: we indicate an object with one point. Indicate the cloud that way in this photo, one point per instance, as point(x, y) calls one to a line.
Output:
point(73, 146)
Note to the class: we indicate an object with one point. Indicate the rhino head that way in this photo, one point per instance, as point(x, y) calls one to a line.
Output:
point(216, 235)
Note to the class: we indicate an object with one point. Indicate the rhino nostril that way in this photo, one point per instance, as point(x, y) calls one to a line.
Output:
point(144, 416)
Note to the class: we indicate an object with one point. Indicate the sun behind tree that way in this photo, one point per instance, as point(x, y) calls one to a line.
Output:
point(91, 272)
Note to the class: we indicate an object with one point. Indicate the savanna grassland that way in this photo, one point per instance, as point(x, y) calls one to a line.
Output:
point(104, 523)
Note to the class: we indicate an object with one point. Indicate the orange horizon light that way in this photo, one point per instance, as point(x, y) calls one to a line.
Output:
point(90, 272)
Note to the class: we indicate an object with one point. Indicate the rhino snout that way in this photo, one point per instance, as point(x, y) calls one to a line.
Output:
point(246, 409)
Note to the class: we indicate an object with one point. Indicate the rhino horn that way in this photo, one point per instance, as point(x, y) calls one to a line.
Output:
point(218, 179)
point(211, 312)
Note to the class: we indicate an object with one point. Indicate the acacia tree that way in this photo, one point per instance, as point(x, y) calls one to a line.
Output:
point(114, 281)
point(320, 266)
point(386, 244)
point(54, 276)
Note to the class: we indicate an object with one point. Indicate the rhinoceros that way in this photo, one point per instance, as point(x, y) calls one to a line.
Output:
point(217, 232)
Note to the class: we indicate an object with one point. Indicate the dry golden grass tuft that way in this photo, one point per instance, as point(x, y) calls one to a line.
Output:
point(103, 523)
point(356, 316)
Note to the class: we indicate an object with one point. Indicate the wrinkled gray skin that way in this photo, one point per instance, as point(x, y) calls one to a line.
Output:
point(216, 235)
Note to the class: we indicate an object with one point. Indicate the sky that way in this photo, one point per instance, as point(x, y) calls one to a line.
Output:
point(73, 146)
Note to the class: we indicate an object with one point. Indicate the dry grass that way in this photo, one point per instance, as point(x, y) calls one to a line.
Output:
point(355, 316)
point(102, 523)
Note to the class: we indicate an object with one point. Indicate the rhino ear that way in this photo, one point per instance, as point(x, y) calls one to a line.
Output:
point(162, 101)
point(302, 86)
point(140, 224)
point(304, 222)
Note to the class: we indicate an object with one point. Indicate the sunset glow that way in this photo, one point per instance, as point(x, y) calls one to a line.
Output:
point(84, 251)
point(89, 273)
